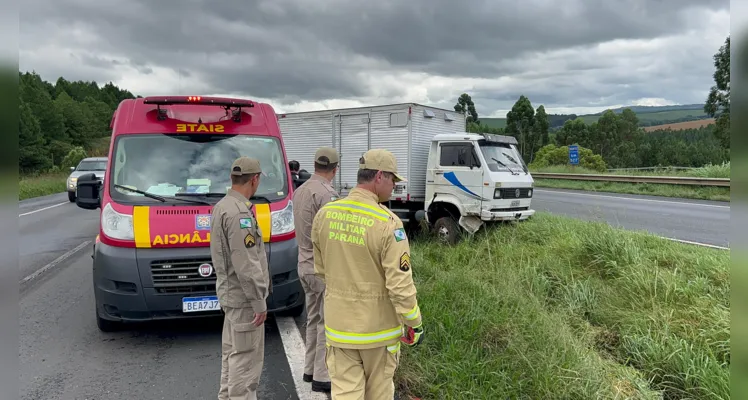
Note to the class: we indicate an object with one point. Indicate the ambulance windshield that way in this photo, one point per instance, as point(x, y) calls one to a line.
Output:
point(198, 164)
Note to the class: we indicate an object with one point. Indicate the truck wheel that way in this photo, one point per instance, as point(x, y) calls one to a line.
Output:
point(71, 197)
point(447, 230)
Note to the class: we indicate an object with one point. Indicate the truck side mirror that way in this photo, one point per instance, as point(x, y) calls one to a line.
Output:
point(88, 190)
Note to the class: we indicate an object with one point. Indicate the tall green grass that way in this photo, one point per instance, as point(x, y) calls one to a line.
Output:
point(708, 171)
point(41, 185)
point(557, 308)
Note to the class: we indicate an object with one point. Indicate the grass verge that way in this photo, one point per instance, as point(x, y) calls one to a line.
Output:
point(679, 191)
point(41, 185)
point(708, 171)
point(566, 309)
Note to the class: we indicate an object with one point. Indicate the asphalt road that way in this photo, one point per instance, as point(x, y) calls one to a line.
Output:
point(64, 356)
point(699, 221)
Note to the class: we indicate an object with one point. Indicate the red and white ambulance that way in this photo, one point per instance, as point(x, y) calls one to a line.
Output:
point(168, 164)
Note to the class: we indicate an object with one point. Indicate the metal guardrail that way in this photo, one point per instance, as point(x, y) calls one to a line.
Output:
point(670, 180)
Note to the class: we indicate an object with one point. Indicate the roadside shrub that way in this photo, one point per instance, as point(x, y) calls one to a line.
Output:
point(73, 157)
point(552, 155)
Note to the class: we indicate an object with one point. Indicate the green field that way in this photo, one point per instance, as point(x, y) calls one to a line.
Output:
point(558, 308)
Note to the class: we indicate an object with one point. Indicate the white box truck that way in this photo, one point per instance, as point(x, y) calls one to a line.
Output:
point(455, 179)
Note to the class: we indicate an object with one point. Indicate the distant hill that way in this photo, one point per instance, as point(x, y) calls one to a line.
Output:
point(648, 116)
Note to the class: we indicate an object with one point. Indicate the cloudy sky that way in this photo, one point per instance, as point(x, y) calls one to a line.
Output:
point(571, 56)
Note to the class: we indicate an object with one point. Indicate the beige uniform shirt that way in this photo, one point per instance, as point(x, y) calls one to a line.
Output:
point(238, 253)
point(307, 200)
point(362, 253)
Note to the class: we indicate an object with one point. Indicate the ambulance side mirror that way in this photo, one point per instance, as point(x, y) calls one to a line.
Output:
point(87, 196)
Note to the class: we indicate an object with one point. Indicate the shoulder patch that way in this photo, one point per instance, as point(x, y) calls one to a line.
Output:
point(400, 235)
point(245, 223)
point(249, 241)
point(405, 262)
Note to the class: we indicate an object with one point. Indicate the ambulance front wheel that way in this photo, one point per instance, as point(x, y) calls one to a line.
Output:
point(106, 325)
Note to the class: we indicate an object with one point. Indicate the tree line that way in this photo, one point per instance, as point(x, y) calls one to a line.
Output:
point(619, 138)
point(55, 119)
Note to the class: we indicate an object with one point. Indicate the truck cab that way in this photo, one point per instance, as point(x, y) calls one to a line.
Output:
point(168, 165)
point(472, 179)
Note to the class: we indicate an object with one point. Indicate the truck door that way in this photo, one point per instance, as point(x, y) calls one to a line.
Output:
point(458, 173)
point(352, 141)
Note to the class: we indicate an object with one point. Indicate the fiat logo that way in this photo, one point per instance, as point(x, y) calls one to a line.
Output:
point(516, 193)
point(205, 270)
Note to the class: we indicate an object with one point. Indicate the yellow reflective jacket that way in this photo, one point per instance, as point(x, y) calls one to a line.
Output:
point(362, 253)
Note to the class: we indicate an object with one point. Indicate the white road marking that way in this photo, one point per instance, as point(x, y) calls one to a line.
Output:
point(55, 262)
point(696, 243)
point(632, 198)
point(42, 209)
point(294, 348)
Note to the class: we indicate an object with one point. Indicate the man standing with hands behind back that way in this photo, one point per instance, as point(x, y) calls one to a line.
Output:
point(308, 199)
point(242, 283)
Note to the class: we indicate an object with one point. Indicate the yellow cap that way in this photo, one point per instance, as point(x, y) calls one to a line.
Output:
point(380, 160)
point(245, 165)
point(326, 156)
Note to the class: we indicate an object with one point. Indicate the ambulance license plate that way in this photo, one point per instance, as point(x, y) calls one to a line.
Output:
point(515, 203)
point(199, 304)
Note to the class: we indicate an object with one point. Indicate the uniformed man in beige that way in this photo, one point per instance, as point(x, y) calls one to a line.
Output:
point(362, 253)
point(242, 283)
point(307, 200)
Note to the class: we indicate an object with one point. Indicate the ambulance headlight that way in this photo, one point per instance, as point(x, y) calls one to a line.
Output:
point(282, 220)
point(116, 225)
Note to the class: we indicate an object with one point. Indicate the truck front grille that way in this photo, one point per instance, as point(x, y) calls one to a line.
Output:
point(511, 193)
point(182, 276)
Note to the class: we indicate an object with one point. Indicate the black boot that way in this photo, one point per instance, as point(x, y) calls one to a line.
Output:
point(307, 378)
point(318, 386)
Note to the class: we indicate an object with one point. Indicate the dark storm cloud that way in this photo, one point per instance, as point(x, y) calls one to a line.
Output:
point(317, 50)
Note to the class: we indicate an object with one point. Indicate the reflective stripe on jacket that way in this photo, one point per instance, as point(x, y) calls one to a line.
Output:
point(363, 255)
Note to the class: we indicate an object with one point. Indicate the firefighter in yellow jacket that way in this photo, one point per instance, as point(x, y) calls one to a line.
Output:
point(362, 254)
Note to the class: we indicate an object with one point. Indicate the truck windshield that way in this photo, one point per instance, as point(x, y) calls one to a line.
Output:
point(91, 166)
point(502, 157)
point(192, 165)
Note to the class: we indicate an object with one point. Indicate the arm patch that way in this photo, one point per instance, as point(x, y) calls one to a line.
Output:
point(245, 223)
point(400, 234)
point(249, 240)
point(405, 262)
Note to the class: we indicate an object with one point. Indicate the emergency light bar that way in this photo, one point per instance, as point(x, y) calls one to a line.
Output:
point(197, 100)
point(224, 102)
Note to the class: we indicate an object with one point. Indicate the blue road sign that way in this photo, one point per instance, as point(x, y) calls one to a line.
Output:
point(574, 154)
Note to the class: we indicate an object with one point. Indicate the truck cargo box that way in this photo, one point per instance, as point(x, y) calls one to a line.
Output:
point(404, 129)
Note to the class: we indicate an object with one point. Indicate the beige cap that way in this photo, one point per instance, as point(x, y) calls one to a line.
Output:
point(380, 160)
point(245, 165)
point(326, 156)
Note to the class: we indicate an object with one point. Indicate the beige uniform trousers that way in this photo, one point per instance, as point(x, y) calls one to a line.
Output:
point(242, 355)
point(363, 374)
point(314, 361)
